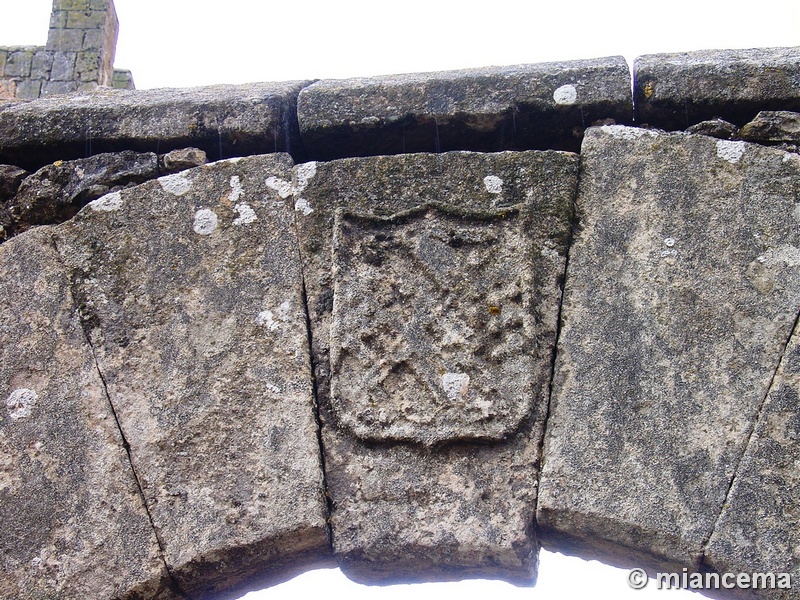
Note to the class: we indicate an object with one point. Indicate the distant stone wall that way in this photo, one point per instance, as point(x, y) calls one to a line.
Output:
point(79, 55)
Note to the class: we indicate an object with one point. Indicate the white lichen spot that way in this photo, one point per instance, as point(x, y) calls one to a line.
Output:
point(485, 407)
point(176, 184)
point(566, 94)
point(20, 403)
point(455, 385)
point(627, 133)
point(108, 203)
point(669, 242)
point(246, 214)
point(730, 151)
point(273, 388)
point(305, 173)
point(266, 318)
point(762, 259)
point(272, 319)
point(283, 187)
point(303, 206)
point(494, 185)
point(205, 221)
point(236, 189)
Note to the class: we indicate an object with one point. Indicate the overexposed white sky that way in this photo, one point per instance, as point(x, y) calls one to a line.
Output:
point(182, 43)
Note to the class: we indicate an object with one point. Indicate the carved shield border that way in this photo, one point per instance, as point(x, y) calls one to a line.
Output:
point(432, 338)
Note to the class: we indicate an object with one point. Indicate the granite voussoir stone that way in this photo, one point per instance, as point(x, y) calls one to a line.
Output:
point(759, 529)
point(74, 521)
point(223, 121)
point(191, 292)
point(676, 91)
point(538, 106)
point(682, 289)
point(433, 285)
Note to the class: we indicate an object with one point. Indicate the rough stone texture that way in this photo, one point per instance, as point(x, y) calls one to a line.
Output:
point(10, 179)
point(759, 530)
point(773, 126)
point(220, 120)
point(675, 91)
point(681, 292)
point(462, 508)
point(123, 80)
point(74, 524)
point(190, 290)
point(185, 158)
point(446, 355)
point(540, 106)
point(57, 192)
point(717, 128)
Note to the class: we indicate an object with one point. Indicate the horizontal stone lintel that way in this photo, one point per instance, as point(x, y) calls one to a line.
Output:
point(538, 106)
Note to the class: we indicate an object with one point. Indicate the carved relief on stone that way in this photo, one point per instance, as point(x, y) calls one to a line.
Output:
point(432, 336)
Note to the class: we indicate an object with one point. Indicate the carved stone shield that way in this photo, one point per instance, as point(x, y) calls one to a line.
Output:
point(432, 336)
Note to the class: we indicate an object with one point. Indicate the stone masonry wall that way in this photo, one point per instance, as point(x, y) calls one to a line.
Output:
point(417, 326)
point(79, 55)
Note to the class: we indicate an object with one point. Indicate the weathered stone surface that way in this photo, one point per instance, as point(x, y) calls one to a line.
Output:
point(773, 126)
point(18, 62)
point(220, 120)
point(447, 352)
point(74, 524)
point(123, 80)
point(459, 257)
point(57, 192)
point(759, 530)
point(180, 160)
point(190, 289)
point(538, 106)
point(718, 128)
point(10, 179)
point(681, 292)
point(675, 91)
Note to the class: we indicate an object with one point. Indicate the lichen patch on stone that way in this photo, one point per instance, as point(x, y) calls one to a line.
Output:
point(305, 173)
point(283, 187)
point(272, 319)
point(494, 185)
point(205, 221)
point(566, 94)
point(236, 188)
point(20, 403)
point(176, 184)
point(246, 214)
point(108, 203)
point(303, 206)
point(455, 385)
point(730, 151)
